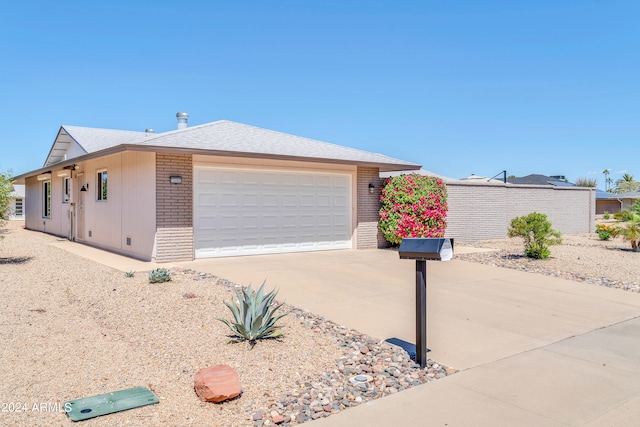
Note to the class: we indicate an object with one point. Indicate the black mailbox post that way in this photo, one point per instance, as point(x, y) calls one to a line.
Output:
point(423, 250)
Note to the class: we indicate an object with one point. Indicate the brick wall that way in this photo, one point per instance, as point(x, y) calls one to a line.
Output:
point(368, 234)
point(174, 208)
point(476, 212)
point(484, 211)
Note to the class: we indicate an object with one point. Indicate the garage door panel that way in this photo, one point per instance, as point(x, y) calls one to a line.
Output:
point(324, 181)
point(206, 199)
point(340, 220)
point(307, 220)
point(306, 181)
point(340, 201)
point(323, 200)
point(245, 211)
point(228, 177)
point(250, 200)
point(307, 200)
point(289, 200)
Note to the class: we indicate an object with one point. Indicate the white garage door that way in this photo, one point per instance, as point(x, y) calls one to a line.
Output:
point(248, 211)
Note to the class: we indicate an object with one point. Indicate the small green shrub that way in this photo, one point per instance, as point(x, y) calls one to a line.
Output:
point(537, 251)
point(606, 215)
point(254, 315)
point(537, 233)
point(636, 207)
point(129, 274)
point(623, 216)
point(159, 275)
point(605, 232)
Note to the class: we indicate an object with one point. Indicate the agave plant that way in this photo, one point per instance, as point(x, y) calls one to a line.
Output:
point(159, 275)
point(254, 315)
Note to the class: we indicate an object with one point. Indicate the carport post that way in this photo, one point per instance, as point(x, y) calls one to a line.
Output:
point(421, 313)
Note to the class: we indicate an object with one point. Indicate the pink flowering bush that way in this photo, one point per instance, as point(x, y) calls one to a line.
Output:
point(413, 206)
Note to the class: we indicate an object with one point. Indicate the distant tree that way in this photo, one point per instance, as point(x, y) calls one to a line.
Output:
point(607, 180)
point(6, 188)
point(626, 183)
point(587, 182)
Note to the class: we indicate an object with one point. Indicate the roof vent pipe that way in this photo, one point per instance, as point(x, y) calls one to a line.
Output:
point(182, 120)
point(149, 131)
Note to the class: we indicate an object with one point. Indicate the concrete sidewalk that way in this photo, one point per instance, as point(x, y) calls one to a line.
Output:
point(533, 350)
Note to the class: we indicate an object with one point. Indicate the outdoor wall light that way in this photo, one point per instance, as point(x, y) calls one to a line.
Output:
point(372, 188)
point(84, 188)
point(175, 180)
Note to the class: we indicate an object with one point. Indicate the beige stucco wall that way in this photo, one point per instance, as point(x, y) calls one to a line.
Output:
point(484, 211)
point(128, 212)
point(58, 222)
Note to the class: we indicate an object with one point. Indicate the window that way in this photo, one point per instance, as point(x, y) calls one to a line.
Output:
point(66, 190)
point(46, 199)
point(18, 210)
point(102, 185)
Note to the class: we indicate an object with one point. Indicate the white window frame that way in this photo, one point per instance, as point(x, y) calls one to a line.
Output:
point(102, 185)
point(46, 199)
point(66, 189)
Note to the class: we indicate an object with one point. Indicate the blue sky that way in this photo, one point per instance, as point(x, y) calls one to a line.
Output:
point(461, 87)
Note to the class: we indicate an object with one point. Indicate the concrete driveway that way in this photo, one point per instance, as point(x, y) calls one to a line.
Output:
point(533, 350)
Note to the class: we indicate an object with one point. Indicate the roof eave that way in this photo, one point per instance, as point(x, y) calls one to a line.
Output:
point(384, 167)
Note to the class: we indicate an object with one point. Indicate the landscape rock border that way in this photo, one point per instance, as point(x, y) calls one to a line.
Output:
point(582, 258)
point(388, 366)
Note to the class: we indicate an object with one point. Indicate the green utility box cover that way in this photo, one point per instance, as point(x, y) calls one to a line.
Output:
point(108, 403)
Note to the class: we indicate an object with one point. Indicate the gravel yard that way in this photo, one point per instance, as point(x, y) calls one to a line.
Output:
point(72, 328)
point(580, 257)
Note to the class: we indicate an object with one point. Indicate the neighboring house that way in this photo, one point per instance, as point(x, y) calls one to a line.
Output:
point(607, 202)
point(535, 179)
point(218, 189)
point(16, 211)
point(615, 202)
point(480, 179)
point(482, 208)
point(628, 198)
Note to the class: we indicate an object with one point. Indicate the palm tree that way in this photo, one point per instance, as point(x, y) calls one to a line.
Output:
point(626, 183)
point(607, 180)
point(627, 177)
point(631, 233)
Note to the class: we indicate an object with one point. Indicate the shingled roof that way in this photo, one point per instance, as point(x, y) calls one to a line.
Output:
point(76, 140)
point(222, 137)
point(536, 179)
